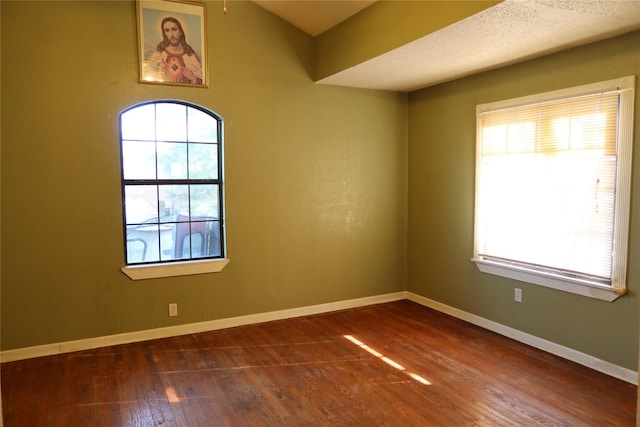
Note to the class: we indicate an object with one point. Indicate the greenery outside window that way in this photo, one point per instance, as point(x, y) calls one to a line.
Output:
point(553, 180)
point(172, 187)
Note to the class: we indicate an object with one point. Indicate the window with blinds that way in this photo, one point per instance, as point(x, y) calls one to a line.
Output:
point(553, 187)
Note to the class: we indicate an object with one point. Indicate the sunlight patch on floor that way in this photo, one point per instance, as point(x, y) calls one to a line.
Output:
point(387, 360)
point(171, 395)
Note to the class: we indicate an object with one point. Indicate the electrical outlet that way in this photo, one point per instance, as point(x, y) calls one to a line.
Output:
point(173, 309)
point(517, 296)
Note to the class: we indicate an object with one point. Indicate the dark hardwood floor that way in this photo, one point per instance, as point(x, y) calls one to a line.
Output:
point(395, 364)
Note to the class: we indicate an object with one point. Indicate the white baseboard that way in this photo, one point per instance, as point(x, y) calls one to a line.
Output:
point(191, 328)
point(550, 347)
point(212, 325)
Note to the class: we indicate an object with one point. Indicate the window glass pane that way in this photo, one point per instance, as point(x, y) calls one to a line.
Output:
point(172, 160)
point(139, 123)
point(143, 243)
point(141, 203)
point(136, 247)
point(190, 239)
point(167, 242)
point(171, 122)
point(195, 239)
point(202, 127)
point(203, 240)
point(212, 245)
point(173, 201)
point(203, 161)
point(204, 202)
point(139, 159)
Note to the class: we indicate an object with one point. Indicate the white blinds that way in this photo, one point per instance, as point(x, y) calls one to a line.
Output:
point(545, 194)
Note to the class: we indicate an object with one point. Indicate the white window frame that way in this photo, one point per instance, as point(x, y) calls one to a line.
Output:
point(626, 87)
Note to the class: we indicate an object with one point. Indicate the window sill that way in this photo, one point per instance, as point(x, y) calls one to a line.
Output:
point(578, 287)
point(153, 271)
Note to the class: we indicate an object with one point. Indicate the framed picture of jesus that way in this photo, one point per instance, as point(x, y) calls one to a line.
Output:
point(172, 42)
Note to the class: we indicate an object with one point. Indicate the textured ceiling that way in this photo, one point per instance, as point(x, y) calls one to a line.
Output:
point(509, 32)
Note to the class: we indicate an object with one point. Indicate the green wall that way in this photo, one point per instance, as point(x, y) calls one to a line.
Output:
point(441, 198)
point(315, 175)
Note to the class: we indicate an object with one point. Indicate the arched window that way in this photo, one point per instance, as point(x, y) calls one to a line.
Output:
point(172, 193)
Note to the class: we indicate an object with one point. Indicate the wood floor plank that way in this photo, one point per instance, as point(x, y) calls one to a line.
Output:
point(395, 364)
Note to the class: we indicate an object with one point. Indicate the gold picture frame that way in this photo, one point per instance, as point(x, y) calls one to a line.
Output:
point(172, 42)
